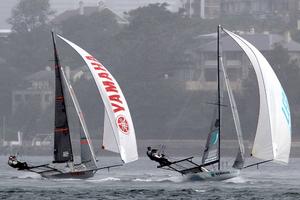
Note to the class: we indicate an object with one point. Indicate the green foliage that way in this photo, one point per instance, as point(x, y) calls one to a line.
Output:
point(27, 48)
point(30, 14)
point(29, 52)
point(95, 33)
point(153, 41)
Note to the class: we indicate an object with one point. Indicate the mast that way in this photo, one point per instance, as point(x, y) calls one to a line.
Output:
point(219, 97)
point(62, 141)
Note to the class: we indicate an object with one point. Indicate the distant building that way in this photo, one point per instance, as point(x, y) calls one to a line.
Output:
point(203, 74)
point(259, 8)
point(42, 140)
point(4, 33)
point(36, 89)
point(209, 9)
point(205, 9)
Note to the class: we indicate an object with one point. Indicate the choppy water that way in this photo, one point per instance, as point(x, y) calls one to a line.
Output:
point(141, 180)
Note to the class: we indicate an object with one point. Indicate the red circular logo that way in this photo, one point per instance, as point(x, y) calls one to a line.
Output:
point(123, 124)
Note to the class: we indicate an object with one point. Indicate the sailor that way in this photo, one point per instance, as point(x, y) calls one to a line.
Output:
point(153, 154)
point(13, 162)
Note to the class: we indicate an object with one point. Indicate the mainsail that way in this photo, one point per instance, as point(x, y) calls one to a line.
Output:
point(239, 161)
point(273, 134)
point(62, 140)
point(115, 104)
point(88, 157)
point(211, 152)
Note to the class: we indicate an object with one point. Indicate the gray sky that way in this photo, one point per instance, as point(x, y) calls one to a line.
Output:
point(60, 6)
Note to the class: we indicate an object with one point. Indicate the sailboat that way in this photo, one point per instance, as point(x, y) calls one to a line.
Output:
point(273, 134)
point(118, 136)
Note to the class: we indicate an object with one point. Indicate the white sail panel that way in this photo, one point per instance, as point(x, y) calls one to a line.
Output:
point(87, 153)
point(239, 161)
point(110, 142)
point(273, 134)
point(115, 105)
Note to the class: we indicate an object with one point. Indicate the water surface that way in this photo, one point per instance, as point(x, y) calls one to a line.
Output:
point(142, 180)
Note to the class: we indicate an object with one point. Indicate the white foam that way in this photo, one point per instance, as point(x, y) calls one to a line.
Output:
point(237, 179)
point(143, 180)
point(104, 179)
point(174, 179)
point(200, 191)
point(27, 175)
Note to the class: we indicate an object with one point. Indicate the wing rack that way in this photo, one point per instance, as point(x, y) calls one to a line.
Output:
point(185, 166)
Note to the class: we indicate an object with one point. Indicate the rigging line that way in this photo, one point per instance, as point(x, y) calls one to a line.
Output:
point(179, 116)
point(256, 164)
point(183, 110)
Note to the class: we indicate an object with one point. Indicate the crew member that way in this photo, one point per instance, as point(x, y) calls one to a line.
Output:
point(13, 162)
point(153, 154)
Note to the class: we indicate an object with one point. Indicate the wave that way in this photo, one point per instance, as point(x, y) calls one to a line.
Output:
point(200, 191)
point(237, 179)
point(173, 179)
point(104, 179)
point(27, 175)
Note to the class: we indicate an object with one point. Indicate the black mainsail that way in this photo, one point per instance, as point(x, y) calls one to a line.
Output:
point(62, 140)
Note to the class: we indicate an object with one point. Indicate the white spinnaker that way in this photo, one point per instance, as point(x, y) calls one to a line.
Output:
point(273, 134)
point(234, 110)
point(120, 120)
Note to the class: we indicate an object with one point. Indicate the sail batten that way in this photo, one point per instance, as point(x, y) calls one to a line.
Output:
point(115, 105)
point(273, 134)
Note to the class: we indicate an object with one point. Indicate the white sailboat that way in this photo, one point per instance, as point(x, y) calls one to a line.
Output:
point(273, 135)
point(118, 136)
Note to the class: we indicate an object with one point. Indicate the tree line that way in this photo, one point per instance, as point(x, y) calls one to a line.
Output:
point(139, 55)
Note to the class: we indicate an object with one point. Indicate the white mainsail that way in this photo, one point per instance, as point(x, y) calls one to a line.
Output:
point(87, 154)
point(273, 134)
point(115, 104)
point(239, 162)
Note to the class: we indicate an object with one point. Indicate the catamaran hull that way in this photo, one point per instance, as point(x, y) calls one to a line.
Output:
point(74, 175)
point(214, 175)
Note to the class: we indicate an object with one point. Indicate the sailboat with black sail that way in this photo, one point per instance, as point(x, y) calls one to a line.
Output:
point(118, 136)
point(273, 134)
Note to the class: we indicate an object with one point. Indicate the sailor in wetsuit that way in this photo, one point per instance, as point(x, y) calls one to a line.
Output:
point(13, 162)
point(153, 154)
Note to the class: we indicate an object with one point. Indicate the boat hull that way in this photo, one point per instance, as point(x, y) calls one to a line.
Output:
point(219, 175)
point(73, 175)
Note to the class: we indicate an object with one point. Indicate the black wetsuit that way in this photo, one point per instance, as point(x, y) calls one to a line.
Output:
point(17, 164)
point(160, 158)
